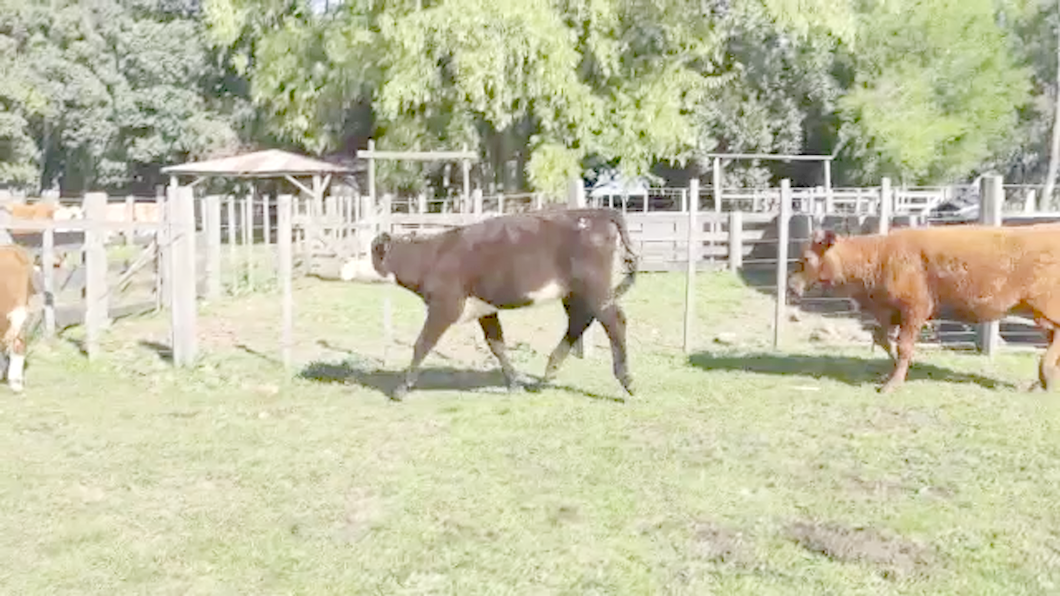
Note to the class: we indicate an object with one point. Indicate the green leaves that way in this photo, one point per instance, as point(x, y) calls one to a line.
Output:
point(99, 91)
point(935, 96)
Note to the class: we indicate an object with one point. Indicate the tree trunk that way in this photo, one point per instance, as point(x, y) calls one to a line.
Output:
point(1046, 200)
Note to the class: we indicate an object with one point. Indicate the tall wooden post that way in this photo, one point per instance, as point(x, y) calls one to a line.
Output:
point(690, 262)
point(5, 218)
point(716, 222)
point(783, 228)
point(735, 240)
point(184, 312)
point(991, 197)
point(829, 197)
point(212, 221)
point(886, 205)
point(48, 273)
point(465, 166)
point(165, 238)
point(284, 234)
point(95, 255)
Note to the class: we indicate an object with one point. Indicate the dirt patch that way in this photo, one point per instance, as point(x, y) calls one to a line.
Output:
point(893, 555)
point(718, 543)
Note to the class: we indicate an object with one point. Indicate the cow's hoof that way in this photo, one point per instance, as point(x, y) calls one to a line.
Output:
point(887, 387)
point(1034, 387)
point(16, 387)
point(399, 393)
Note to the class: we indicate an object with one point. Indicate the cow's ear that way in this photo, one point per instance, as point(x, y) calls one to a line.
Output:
point(824, 239)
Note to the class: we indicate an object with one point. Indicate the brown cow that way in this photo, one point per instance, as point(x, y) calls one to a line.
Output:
point(29, 211)
point(513, 261)
point(906, 278)
point(16, 287)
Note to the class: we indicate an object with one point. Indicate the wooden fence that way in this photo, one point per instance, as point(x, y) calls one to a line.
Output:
point(211, 246)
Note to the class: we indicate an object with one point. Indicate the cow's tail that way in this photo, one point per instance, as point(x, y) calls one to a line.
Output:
point(629, 256)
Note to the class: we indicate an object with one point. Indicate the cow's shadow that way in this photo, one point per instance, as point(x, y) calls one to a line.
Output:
point(845, 369)
point(431, 378)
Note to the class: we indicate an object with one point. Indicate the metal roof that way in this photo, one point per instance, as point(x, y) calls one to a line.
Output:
point(270, 163)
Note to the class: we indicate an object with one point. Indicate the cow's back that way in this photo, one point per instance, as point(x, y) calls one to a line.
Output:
point(505, 258)
point(982, 271)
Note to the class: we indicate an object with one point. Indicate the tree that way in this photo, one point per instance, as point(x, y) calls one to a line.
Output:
point(936, 93)
point(551, 85)
point(107, 92)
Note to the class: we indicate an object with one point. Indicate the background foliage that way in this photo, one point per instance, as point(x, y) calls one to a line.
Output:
point(102, 94)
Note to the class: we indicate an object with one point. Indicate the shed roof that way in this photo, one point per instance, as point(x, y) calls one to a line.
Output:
point(269, 163)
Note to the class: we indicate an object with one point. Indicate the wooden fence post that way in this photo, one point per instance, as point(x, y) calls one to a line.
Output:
point(184, 290)
point(385, 225)
point(233, 265)
point(266, 220)
point(735, 240)
point(284, 236)
point(886, 205)
point(162, 259)
point(783, 226)
point(991, 197)
point(212, 222)
point(248, 238)
point(48, 273)
point(690, 264)
point(5, 218)
point(95, 255)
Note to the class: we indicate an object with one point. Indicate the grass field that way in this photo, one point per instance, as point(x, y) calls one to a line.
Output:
point(737, 470)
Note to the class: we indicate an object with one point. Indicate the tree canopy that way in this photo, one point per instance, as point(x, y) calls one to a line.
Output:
point(101, 94)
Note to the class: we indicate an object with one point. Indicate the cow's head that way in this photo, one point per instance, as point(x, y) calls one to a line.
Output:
point(812, 267)
point(380, 249)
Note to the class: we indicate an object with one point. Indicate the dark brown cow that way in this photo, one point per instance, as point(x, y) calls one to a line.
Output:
point(977, 273)
point(16, 287)
point(514, 261)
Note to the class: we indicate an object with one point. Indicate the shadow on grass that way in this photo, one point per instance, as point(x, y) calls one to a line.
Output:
point(164, 352)
point(445, 378)
point(845, 369)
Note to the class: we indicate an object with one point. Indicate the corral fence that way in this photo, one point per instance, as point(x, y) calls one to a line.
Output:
point(128, 255)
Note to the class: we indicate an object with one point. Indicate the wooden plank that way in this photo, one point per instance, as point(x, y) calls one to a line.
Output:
point(417, 155)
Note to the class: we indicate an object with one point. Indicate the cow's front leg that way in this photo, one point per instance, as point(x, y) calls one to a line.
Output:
point(907, 335)
point(881, 336)
point(614, 322)
point(440, 315)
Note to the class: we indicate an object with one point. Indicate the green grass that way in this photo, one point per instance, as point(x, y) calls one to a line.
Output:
point(736, 471)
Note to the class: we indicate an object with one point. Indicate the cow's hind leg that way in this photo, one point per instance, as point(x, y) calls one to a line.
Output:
point(613, 319)
point(439, 318)
point(579, 317)
point(1048, 371)
point(491, 328)
point(15, 348)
